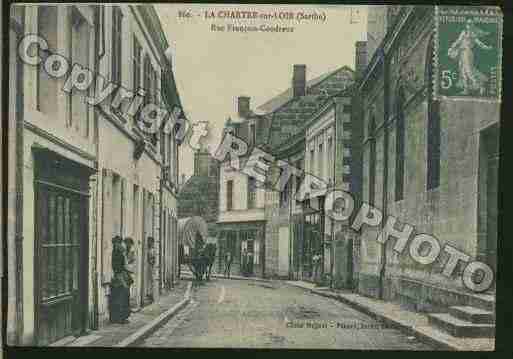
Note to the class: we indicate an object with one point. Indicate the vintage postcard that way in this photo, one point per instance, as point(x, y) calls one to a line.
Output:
point(252, 176)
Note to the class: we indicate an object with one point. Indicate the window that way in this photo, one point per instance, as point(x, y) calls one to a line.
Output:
point(299, 165)
point(330, 158)
point(256, 250)
point(229, 195)
point(372, 160)
point(346, 109)
point(284, 195)
point(147, 79)
point(163, 147)
point(399, 146)
point(79, 50)
point(252, 132)
point(320, 170)
point(117, 17)
point(312, 160)
point(46, 96)
point(433, 128)
point(136, 63)
point(251, 192)
point(150, 80)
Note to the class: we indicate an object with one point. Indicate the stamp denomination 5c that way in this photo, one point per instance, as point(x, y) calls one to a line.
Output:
point(468, 53)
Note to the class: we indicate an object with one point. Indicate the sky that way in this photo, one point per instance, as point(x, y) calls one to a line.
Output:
point(213, 68)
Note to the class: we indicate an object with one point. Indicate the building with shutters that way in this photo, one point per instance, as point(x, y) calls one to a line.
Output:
point(240, 222)
point(81, 174)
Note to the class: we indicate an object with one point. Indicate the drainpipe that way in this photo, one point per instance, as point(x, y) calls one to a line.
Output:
point(291, 242)
point(333, 179)
point(384, 204)
point(19, 206)
point(161, 234)
point(99, 18)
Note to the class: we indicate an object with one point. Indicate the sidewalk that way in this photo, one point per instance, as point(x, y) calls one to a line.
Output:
point(409, 322)
point(141, 323)
point(188, 274)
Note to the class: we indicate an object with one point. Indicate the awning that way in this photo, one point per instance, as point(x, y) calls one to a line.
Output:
point(189, 227)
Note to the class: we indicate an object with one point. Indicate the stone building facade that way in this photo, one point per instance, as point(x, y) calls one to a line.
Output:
point(300, 124)
point(199, 195)
point(81, 174)
point(429, 163)
point(241, 220)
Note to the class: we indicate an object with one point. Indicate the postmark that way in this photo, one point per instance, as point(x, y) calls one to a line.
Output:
point(468, 53)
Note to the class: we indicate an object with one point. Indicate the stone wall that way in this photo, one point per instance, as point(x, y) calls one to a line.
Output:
point(449, 211)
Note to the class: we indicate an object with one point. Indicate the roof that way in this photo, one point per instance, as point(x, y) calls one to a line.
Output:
point(170, 92)
point(289, 119)
point(278, 101)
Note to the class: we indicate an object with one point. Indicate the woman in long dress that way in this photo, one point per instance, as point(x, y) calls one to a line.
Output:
point(120, 284)
point(470, 78)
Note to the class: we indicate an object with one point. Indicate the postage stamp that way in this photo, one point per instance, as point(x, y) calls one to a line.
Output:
point(468, 53)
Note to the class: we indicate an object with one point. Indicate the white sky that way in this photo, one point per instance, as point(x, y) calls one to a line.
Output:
point(213, 68)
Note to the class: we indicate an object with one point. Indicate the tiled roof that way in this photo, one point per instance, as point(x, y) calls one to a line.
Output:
point(288, 120)
point(286, 96)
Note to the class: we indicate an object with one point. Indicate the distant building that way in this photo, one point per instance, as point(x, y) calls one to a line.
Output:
point(241, 221)
point(312, 130)
point(257, 218)
point(199, 194)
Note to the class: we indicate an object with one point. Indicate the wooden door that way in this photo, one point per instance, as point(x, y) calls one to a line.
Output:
point(61, 262)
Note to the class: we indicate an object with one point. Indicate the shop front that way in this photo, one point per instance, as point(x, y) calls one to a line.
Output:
point(245, 242)
point(308, 262)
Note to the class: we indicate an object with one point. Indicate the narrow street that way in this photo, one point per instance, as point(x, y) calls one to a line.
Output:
point(251, 314)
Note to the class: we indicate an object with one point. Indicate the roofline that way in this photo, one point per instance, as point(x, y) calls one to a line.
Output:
point(345, 67)
point(387, 43)
point(150, 17)
point(324, 108)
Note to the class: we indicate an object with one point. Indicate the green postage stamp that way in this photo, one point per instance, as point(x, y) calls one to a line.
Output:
point(468, 53)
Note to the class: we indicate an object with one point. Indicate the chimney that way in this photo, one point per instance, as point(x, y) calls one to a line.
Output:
point(299, 80)
point(243, 106)
point(360, 61)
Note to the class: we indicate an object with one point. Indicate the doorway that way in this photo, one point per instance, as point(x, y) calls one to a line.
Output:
point(61, 242)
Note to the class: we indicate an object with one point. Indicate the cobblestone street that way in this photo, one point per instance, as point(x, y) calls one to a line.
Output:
point(250, 314)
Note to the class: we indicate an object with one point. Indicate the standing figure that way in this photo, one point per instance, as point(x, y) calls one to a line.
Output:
point(120, 284)
point(470, 78)
point(131, 263)
point(227, 264)
point(244, 261)
point(249, 268)
point(150, 268)
point(316, 261)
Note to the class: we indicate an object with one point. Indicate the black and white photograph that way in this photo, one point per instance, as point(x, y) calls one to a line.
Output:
point(256, 176)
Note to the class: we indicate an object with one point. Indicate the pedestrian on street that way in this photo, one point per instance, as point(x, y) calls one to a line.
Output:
point(227, 264)
point(249, 268)
point(244, 262)
point(150, 268)
point(120, 284)
point(316, 261)
point(130, 261)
